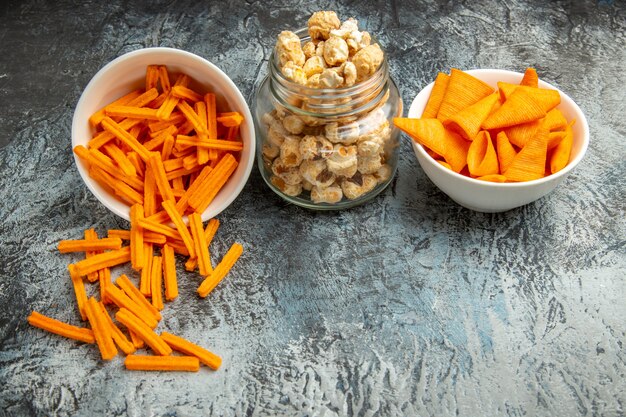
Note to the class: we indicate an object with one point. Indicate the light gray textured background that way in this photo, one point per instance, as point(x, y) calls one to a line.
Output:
point(409, 305)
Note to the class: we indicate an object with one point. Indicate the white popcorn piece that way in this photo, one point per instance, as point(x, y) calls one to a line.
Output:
point(349, 74)
point(345, 134)
point(289, 174)
point(294, 72)
point(314, 81)
point(343, 161)
point(288, 49)
point(347, 27)
point(369, 165)
point(314, 65)
point(270, 150)
point(358, 185)
point(321, 23)
point(293, 124)
point(309, 49)
point(316, 172)
point(276, 133)
point(306, 186)
point(331, 78)
point(335, 51)
point(268, 117)
point(357, 41)
point(367, 61)
point(383, 173)
point(315, 147)
point(319, 49)
point(330, 195)
point(292, 190)
point(370, 147)
point(290, 151)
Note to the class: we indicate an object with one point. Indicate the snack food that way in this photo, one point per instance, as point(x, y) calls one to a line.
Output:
point(335, 103)
point(511, 134)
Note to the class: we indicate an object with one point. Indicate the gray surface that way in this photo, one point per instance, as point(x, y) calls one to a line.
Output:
point(409, 305)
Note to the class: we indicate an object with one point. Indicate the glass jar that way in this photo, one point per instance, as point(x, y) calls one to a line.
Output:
point(327, 148)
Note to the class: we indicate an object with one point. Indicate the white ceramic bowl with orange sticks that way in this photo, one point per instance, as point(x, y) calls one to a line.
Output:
point(491, 197)
point(127, 73)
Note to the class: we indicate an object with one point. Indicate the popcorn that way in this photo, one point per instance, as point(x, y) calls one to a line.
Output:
point(330, 78)
point(369, 165)
point(276, 133)
point(343, 162)
point(346, 134)
point(292, 190)
point(321, 23)
point(383, 173)
point(315, 147)
point(294, 72)
point(314, 65)
point(288, 48)
point(349, 74)
point(316, 172)
point(289, 174)
point(367, 61)
point(290, 151)
point(330, 195)
point(358, 185)
point(270, 150)
point(309, 49)
point(293, 124)
point(335, 51)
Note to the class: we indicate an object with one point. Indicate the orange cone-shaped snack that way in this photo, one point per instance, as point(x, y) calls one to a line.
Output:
point(519, 135)
point(506, 152)
point(456, 149)
point(436, 96)
point(530, 79)
point(546, 98)
point(555, 120)
point(481, 156)
point(467, 121)
point(561, 154)
point(426, 132)
point(463, 90)
point(520, 107)
point(529, 163)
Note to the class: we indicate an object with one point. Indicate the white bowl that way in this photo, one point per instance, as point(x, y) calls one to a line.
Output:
point(127, 73)
point(490, 197)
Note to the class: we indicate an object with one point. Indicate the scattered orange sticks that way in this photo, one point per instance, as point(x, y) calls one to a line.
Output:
point(162, 363)
point(182, 345)
point(63, 329)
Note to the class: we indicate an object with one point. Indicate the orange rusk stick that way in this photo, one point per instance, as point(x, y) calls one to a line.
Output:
point(132, 112)
point(104, 277)
point(177, 174)
point(96, 158)
point(186, 93)
point(62, 329)
point(221, 270)
point(149, 193)
point(191, 116)
point(165, 110)
point(168, 146)
point(104, 137)
point(150, 237)
point(110, 126)
point(119, 188)
point(152, 76)
point(211, 112)
point(97, 117)
point(119, 338)
point(144, 281)
point(232, 133)
point(134, 294)
point(218, 144)
point(202, 153)
point(103, 260)
point(214, 182)
point(162, 363)
point(79, 289)
point(101, 330)
point(173, 164)
point(152, 339)
point(88, 245)
point(142, 100)
point(230, 119)
point(137, 342)
point(209, 233)
point(177, 219)
point(159, 228)
point(157, 282)
point(120, 159)
point(183, 345)
point(175, 119)
point(179, 247)
point(123, 301)
point(156, 164)
point(136, 237)
point(169, 272)
point(90, 234)
point(199, 240)
point(164, 78)
point(183, 202)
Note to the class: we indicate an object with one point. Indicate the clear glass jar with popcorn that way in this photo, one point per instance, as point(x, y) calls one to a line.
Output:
point(324, 116)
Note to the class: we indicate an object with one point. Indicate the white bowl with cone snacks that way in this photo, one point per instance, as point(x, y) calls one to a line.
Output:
point(470, 140)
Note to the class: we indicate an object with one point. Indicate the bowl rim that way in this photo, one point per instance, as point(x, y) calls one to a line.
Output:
point(543, 84)
point(104, 197)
